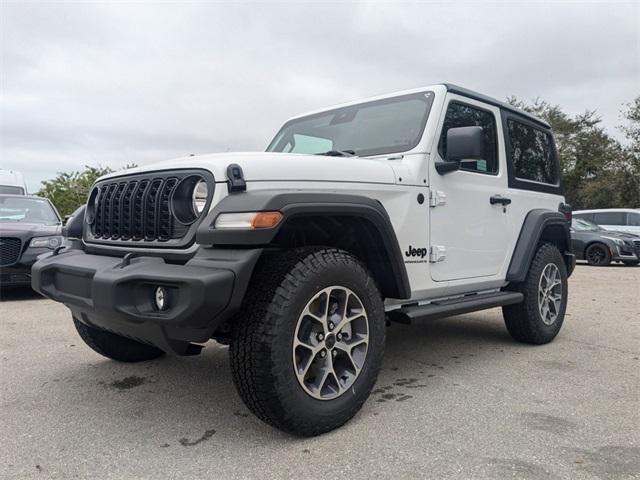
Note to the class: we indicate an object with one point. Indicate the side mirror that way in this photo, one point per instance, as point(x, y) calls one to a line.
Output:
point(463, 144)
point(66, 219)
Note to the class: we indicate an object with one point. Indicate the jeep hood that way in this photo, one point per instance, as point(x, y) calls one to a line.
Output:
point(268, 166)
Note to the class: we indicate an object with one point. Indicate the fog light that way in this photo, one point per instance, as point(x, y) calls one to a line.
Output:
point(161, 298)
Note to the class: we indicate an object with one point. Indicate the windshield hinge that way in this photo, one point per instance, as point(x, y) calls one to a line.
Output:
point(235, 179)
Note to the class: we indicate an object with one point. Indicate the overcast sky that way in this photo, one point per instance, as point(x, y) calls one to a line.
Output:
point(117, 83)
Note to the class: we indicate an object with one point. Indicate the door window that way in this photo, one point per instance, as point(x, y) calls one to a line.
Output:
point(610, 218)
point(461, 115)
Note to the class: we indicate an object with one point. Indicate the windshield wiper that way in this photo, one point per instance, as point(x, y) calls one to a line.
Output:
point(339, 153)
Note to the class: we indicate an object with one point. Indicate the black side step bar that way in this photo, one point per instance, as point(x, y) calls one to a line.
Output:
point(456, 306)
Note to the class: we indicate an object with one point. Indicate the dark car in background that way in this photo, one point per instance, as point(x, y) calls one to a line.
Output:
point(600, 247)
point(29, 226)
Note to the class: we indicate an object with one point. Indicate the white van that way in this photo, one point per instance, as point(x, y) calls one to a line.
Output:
point(620, 219)
point(12, 183)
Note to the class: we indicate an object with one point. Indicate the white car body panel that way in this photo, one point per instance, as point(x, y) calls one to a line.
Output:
point(289, 167)
point(9, 178)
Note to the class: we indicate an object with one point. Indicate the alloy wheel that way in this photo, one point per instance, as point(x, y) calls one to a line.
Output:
point(330, 343)
point(549, 293)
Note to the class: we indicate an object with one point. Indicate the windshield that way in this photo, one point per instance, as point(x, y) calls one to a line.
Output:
point(581, 225)
point(27, 210)
point(380, 127)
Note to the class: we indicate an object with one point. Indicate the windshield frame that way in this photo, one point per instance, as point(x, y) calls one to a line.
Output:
point(56, 220)
point(427, 96)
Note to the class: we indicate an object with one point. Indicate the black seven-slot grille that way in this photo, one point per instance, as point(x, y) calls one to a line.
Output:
point(10, 249)
point(137, 208)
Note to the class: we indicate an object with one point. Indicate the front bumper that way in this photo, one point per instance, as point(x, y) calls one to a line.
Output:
point(19, 274)
point(15, 275)
point(623, 253)
point(117, 295)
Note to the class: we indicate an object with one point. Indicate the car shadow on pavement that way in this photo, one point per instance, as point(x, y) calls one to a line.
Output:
point(196, 399)
point(18, 293)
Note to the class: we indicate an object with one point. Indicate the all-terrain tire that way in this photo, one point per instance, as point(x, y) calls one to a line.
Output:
point(261, 357)
point(524, 320)
point(114, 346)
point(597, 254)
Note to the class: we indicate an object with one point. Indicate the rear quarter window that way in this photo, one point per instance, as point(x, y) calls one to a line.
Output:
point(610, 218)
point(633, 219)
point(532, 153)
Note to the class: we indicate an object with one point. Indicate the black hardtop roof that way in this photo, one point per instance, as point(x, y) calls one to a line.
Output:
point(465, 92)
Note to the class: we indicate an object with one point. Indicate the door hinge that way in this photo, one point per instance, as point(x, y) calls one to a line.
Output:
point(437, 198)
point(437, 253)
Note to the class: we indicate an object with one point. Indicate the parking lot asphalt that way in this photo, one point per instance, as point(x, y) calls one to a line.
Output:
point(457, 398)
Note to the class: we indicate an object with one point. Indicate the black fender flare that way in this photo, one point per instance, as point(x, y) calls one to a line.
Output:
point(295, 204)
point(75, 224)
point(531, 233)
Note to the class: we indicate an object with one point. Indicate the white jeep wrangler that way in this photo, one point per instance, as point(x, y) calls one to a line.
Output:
point(415, 205)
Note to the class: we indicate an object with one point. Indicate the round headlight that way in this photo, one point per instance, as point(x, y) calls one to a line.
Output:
point(199, 196)
point(190, 198)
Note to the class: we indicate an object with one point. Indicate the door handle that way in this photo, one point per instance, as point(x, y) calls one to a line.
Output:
point(499, 199)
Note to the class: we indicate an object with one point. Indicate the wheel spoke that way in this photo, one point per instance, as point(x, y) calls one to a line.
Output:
point(346, 318)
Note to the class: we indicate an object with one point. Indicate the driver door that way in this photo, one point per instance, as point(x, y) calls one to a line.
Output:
point(473, 233)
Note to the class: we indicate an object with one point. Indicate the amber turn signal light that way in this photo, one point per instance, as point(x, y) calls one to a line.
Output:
point(266, 219)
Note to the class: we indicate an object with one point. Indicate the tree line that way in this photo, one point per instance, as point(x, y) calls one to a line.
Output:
point(598, 171)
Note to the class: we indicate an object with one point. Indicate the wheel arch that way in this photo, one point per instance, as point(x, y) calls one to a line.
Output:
point(354, 223)
point(540, 225)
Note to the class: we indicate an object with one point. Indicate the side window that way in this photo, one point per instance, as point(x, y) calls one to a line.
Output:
point(532, 153)
point(610, 218)
point(460, 115)
point(633, 219)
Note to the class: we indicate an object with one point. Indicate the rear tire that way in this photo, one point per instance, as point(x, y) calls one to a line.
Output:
point(114, 346)
point(538, 319)
point(597, 254)
point(279, 337)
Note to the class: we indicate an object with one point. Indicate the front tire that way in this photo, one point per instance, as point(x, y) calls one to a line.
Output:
point(598, 255)
point(308, 344)
point(114, 346)
point(538, 319)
